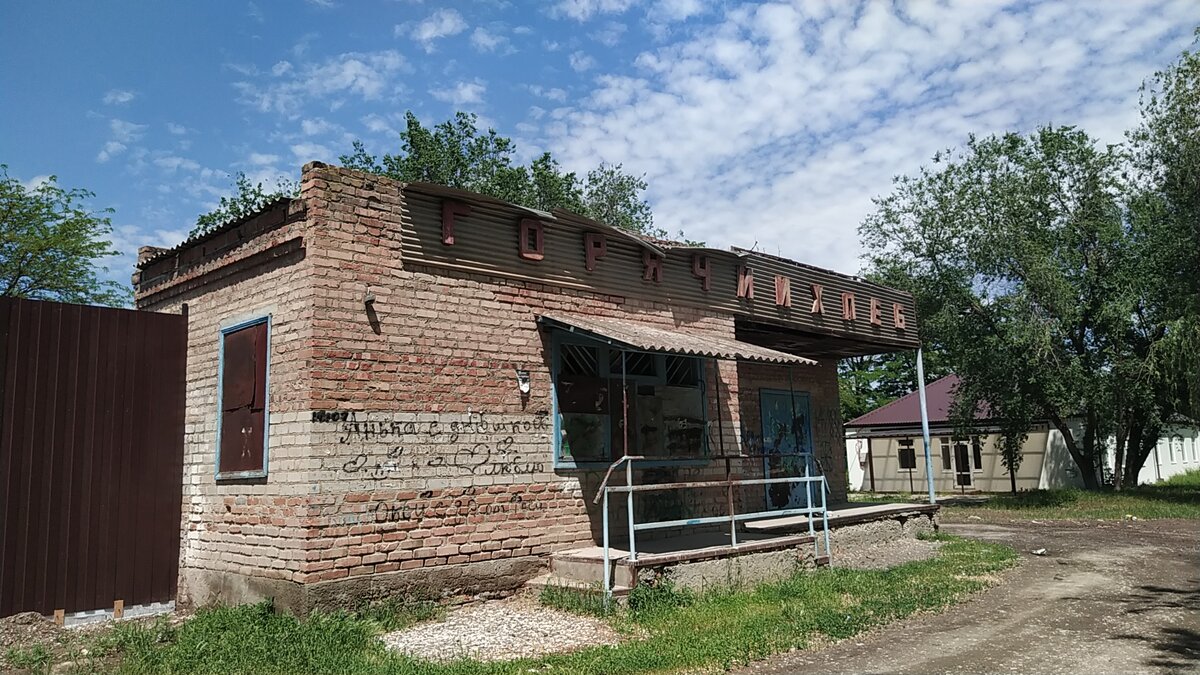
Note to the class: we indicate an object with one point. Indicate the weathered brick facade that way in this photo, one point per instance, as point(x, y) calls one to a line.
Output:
point(402, 454)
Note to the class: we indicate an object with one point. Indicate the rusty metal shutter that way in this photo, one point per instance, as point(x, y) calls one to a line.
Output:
point(243, 400)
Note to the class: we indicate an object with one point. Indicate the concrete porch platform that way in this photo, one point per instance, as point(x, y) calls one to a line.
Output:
point(767, 545)
point(841, 515)
point(687, 548)
point(583, 568)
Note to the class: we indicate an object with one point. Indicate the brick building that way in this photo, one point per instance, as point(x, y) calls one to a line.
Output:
point(397, 386)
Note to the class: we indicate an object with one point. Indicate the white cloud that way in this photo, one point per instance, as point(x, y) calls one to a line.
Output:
point(317, 126)
point(300, 49)
point(486, 41)
point(262, 159)
point(582, 10)
point(609, 34)
point(778, 123)
point(461, 93)
point(122, 135)
point(552, 93)
point(581, 62)
point(174, 163)
point(36, 182)
point(377, 124)
point(176, 129)
point(118, 97)
point(323, 4)
point(677, 10)
point(369, 76)
point(307, 152)
point(441, 24)
point(111, 149)
point(126, 132)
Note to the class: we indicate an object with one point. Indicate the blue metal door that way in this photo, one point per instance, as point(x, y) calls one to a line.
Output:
point(786, 432)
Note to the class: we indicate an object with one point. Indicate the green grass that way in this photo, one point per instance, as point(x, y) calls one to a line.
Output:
point(36, 658)
point(676, 630)
point(1178, 497)
point(588, 602)
point(1186, 479)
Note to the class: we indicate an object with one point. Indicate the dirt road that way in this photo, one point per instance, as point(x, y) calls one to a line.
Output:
point(1105, 598)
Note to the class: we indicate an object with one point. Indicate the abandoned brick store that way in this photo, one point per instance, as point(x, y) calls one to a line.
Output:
point(394, 386)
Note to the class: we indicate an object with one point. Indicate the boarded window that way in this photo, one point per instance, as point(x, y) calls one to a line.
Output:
point(908, 455)
point(947, 464)
point(241, 449)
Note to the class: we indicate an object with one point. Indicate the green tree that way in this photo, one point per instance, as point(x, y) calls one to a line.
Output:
point(1016, 252)
point(456, 153)
point(869, 382)
point(247, 199)
point(551, 188)
point(51, 245)
point(612, 196)
point(1162, 374)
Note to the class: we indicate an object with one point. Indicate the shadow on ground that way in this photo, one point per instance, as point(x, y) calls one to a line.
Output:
point(1176, 648)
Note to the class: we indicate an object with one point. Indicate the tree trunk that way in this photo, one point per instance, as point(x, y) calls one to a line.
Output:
point(1139, 450)
point(1087, 468)
point(1012, 479)
point(1089, 447)
point(1119, 457)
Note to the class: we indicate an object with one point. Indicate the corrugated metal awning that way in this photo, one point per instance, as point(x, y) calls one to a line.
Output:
point(641, 337)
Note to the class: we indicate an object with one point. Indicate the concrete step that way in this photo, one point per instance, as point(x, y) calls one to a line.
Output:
point(550, 579)
point(584, 566)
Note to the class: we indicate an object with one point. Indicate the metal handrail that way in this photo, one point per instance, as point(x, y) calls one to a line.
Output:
point(676, 458)
point(729, 483)
point(608, 474)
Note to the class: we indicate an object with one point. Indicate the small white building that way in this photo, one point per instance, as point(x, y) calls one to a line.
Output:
point(885, 451)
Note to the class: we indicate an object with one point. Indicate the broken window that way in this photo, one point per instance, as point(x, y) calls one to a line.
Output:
point(242, 401)
point(662, 404)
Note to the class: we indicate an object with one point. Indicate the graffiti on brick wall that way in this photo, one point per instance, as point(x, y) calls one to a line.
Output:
point(827, 421)
point(478, 446)
point(375, 467)
point(752, 441)
point(472, 502)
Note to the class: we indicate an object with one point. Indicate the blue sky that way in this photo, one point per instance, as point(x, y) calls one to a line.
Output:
point(767, 124)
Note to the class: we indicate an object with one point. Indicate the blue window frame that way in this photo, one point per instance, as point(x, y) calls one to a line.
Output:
point(668, 406)
point(243, 399)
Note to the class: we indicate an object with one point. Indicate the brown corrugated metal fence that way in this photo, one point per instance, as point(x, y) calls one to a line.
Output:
point(91, 455)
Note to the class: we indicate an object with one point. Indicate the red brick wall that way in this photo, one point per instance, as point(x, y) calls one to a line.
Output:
point(439, 351)
point(820, 383)
point(399, 438)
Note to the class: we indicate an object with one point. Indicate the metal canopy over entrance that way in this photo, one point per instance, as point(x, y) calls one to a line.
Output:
point(637, 336)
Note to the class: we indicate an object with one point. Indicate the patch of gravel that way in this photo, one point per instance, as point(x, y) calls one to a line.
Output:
point(507, 629)
point(27, 629)
point(886, 554)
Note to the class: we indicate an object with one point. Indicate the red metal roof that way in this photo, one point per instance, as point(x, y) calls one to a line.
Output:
point(906, 410)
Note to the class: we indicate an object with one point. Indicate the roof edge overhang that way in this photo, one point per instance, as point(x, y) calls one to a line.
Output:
point(652, 339)
point(280, 204)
